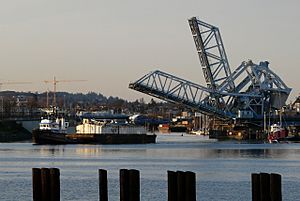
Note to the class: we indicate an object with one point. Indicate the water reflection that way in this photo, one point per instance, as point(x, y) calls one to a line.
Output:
point(222, 167)
point(88, 151)
point(245, 153)
point(251, 153)
point(85, 150)
point(48, 150)
point(200, 150)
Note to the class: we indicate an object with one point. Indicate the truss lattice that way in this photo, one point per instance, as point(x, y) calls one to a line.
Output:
point(245, 93)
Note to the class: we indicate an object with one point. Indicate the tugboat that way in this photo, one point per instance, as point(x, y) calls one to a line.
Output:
point(277, 133)
point(50, 131)
point(90, 132)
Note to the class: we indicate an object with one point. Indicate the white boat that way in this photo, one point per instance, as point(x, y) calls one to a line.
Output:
point(90, 132)
point(50, 131)
point(91, 126)
point(58, 125)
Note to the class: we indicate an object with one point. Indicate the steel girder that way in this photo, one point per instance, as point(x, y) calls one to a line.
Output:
point(259, 76)
point(173, 89)
point(251, 88)
point(211, 53)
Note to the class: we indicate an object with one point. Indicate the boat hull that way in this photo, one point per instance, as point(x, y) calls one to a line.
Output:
point(48, 137)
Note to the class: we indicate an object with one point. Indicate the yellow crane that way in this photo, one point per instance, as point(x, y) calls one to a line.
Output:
point(54, 82)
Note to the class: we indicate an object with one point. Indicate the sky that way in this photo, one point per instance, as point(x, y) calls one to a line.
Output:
point(112, 43)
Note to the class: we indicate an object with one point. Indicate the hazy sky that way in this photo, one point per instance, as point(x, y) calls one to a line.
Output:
point(110, 43)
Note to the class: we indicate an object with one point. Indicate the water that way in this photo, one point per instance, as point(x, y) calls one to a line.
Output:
point(223, 169)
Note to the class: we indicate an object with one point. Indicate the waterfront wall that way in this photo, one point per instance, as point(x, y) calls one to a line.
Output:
point(12, 131)
point(29, 125)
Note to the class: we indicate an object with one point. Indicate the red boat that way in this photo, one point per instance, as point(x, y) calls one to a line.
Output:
point(277, 133)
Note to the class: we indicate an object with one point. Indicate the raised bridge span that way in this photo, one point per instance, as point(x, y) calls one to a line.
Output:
point(245, 93)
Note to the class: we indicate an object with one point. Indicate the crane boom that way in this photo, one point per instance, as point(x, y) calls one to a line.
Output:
point(54, 82)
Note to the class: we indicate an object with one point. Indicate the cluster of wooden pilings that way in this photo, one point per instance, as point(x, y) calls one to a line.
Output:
point(266, 187)
point(45, 184)
point(181, 185)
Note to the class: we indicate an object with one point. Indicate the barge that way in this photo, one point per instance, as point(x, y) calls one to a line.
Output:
point(90, 132)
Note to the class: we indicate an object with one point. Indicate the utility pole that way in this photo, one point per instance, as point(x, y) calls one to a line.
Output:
point(2, 108)
point(47, 103)
point(265, 123)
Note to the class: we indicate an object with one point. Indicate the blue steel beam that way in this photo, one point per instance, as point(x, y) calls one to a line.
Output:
point(211, 54)
point(246, 93)
point(173, 89)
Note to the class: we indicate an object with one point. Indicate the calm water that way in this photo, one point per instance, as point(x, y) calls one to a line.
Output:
point(223, 168)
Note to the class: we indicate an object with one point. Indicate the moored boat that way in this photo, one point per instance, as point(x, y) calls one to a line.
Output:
point(91, 132)
point(164, 128)
point(277, 133)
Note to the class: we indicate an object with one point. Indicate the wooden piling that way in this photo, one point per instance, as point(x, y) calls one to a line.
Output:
point(54, 184)
point(190, 186)
point(265, 187)
point(103, 194)
point(172, 186)
point(124, 185)
point(180, 185)
point(255, 180)
point(36, 184)
point(134, 185)
point(45, 181)
point(275, 187)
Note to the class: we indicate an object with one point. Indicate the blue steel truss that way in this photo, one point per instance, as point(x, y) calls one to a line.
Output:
point(246, 93)
point(211, 54)
point(173, 89)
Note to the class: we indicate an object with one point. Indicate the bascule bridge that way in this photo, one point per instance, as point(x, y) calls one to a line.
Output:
point(243, 95)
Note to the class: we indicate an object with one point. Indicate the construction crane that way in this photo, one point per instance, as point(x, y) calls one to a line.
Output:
point(55, 82)
point(245, 93)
